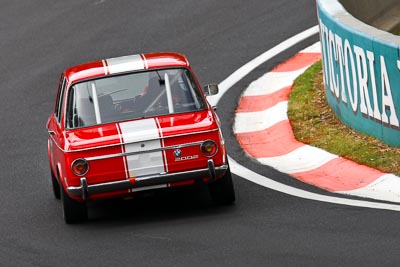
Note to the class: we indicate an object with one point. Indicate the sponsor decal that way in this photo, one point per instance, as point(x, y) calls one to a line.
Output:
point(359, 78)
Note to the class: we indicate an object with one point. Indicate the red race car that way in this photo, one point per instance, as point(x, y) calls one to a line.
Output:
point(134, 123)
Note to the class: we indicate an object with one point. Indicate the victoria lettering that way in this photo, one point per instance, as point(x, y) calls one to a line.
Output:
point(350, 75)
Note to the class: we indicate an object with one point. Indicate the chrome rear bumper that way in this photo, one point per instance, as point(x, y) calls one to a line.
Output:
point(147, 182)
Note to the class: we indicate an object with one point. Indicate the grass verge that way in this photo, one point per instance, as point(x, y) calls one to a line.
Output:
point(315, 124)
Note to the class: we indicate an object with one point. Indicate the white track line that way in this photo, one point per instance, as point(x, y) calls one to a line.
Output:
point(226, 84)
point(245, 173)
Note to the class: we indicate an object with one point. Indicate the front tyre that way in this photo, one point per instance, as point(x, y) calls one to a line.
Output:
point(73, 211)
point(222, 190)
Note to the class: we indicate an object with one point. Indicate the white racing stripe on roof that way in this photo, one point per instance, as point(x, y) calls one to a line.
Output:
point(303, 159)
point(105, 67)
point(124, 64)
point(146, 64)
point(246, 122)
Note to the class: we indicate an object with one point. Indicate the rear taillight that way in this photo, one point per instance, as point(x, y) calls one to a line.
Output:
point(209, 148)
point(80, 167)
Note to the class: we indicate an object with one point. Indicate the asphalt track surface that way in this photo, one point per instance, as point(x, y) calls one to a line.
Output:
point(41, 38)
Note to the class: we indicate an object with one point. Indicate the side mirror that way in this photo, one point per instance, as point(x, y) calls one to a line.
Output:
point(211, 89)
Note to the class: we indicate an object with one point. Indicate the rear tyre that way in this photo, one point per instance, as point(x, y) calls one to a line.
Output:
point(55, 185)
point(222, 191)
point(73, 211)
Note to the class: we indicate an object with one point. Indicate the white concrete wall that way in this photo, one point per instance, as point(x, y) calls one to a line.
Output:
point(383, 14)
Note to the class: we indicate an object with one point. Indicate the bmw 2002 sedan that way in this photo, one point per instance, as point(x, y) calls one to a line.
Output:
point(134, 123)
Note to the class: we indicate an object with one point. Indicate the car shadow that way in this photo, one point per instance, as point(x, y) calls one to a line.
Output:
point(155, 206)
